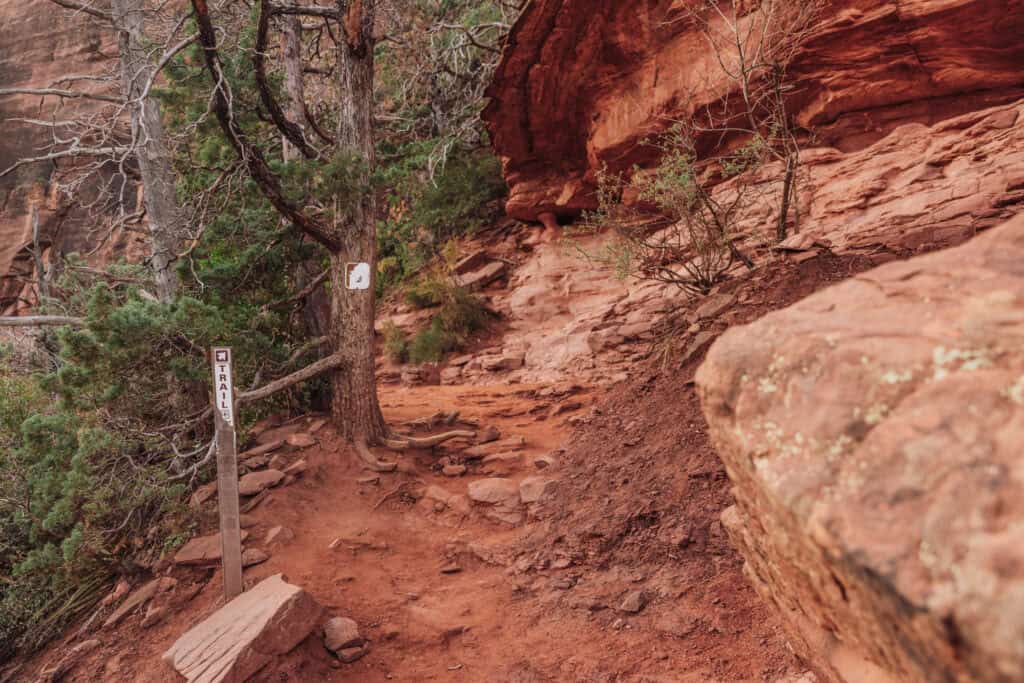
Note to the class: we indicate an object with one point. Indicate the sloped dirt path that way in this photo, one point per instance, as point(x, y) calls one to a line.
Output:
point(495, 616)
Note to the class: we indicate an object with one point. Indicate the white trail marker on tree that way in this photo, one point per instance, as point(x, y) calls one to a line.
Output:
point(357, 275)
point(227, 472)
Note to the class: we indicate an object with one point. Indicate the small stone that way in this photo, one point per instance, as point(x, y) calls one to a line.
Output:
point(714, 305)
point(120, 590)
point(253, 556)
point(451, 568)
point(202, 494)
point(480, 278)
point(502, 462)
point(316, 425)
point(533, 489)
point(494, 490)
point(297, 467)
point(247, 521)
point(255, 482)
point(487, 435)
point(278, 534)
point(278, 462)
point(260, 451)
point(301, 440)
point(202, 550)
point(133, 601)
point(342, 633)
point(543, 462)
point(153, 616)
point(633, 602)
point(454, 470)
point(366, 481)
point(351, 654)
point(256, 463)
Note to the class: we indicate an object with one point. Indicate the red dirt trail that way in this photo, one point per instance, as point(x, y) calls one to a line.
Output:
point(635, 508)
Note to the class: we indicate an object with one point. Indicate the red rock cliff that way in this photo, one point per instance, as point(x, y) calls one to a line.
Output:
point(41, 43)
point(583, 82)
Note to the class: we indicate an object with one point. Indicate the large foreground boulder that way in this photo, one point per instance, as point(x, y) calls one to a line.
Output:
point(244, 635)
point(875, 436)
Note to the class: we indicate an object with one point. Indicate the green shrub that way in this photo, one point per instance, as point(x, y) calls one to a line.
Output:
point(396, 344)
point(424, 214)
point(427, 292)
point(430, 344)
point(459, 315)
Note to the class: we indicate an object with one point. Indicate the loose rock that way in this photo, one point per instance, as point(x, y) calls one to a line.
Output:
point(246, 634)
point(342, 633)
point(634, 602)
point(132, 602)
point(278, 534)
point(253, 556)
point(533, 489)
point(296, 468)
point(255, 482)
point(202, 550)
point(494, 491)
point(153, 616)
point(301, 440)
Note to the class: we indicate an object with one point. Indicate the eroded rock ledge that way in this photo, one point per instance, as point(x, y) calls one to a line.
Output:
point(583, 82)
point(874, 435)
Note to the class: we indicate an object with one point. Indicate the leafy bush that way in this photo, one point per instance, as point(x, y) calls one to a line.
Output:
point(79, 500)
point(459, 315)
point(97, 454)
point(423, 215)
point(396, 344)
point(687, 240)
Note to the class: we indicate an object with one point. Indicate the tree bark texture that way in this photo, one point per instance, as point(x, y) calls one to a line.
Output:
point(164, 216)
point(354, 403)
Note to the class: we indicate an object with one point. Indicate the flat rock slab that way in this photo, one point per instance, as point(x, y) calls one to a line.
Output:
point(139, 597)
point(202, 550)
point(302, 440)
point(495, 491)
point(261, 450)
point(480, 278)
point(254, 482)
point(246, 634)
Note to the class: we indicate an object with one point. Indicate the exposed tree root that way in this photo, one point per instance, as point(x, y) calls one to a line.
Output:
point(400, 443)
point(370, 460)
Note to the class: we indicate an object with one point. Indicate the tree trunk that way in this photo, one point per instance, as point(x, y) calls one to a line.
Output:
point(354, 404)
point(291, 52)
point(316, 308)
point(163, 214)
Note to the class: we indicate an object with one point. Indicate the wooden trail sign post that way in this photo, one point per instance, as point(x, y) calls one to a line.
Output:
point(227, 472)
